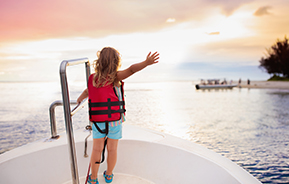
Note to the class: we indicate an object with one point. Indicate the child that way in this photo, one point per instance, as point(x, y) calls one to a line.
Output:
point(100, 87)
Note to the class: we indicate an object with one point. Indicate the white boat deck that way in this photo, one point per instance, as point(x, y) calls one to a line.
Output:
point(119, 179)
point(129, 133)
point(144, 157)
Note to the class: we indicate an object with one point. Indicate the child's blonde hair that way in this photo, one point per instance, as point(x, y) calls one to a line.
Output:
point(106, 67)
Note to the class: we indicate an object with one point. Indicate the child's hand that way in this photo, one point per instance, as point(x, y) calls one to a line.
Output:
point(83, 95)
point(79, 100)
point(152, 59)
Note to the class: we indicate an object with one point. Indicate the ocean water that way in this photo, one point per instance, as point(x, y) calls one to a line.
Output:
point(248, 126)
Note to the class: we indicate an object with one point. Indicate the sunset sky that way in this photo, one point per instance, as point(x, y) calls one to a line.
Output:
point(195, 38)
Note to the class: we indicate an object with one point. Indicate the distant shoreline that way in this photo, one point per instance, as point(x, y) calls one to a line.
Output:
point(253, 84)
point(266, 84)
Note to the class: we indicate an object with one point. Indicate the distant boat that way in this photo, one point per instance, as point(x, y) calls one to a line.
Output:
point(215, 84)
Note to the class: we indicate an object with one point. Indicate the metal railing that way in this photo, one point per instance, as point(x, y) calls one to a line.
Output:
point(53, 126)
point(67, 111)
point(52, 107)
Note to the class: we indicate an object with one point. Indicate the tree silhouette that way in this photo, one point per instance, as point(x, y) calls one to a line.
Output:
point(277, 59)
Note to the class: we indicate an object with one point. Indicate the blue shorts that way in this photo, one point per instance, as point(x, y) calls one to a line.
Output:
point(114, 132)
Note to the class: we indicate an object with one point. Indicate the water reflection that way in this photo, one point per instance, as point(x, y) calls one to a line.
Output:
point(247, 126)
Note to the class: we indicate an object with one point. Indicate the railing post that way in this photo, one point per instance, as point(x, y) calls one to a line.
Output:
point(67, 116)
point(53, 119)
point(87, 69)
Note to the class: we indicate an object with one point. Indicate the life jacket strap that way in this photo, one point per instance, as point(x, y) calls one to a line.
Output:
point(105, 141)
point(103, 152)
point(108, 112)
point(105, 131)
point(107, 104)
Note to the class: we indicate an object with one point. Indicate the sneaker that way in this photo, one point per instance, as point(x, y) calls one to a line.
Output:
point(108, 178)
point(90, 180)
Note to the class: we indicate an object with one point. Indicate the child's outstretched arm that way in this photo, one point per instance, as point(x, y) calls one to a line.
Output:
point(151, 59)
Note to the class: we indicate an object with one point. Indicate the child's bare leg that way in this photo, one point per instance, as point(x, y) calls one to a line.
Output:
point(111, 155)
point(96, 156)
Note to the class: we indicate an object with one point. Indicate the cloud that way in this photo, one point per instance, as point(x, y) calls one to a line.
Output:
point(262, 11)
point(169, 20)
point(214, 33)
point(227, 7)
point(34, 19)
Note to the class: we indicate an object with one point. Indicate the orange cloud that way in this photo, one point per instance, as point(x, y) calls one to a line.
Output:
point(214, 33)
point(262, 11)
point(227, 7)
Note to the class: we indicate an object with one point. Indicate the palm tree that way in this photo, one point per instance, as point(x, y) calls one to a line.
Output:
point(277, 59)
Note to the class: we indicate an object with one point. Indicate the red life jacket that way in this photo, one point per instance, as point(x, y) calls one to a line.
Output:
point(104, 105)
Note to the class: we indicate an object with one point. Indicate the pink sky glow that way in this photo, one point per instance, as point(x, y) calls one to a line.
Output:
point(183, 31)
